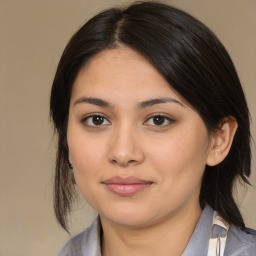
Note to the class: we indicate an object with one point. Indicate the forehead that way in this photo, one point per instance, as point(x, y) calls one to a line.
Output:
point(123, 73)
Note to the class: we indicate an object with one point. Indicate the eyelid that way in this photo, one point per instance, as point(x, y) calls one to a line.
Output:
point(169, 119)
point(85, 118)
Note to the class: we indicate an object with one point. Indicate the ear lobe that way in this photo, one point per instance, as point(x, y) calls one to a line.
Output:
point(221, 141)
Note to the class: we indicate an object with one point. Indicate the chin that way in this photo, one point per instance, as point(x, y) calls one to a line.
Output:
point(128, 217)
point(128, 221)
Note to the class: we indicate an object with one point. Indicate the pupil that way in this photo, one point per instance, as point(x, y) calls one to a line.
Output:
point(97, 120)
point(158, 120)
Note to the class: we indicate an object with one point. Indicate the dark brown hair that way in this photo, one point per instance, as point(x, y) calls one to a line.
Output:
point(195, 64)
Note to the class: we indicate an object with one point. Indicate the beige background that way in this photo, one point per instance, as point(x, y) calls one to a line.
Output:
point(33, 36)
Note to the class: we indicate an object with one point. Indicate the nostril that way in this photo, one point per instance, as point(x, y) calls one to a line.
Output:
point(123, 162)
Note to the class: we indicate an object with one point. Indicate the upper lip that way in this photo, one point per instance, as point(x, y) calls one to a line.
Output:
point(126, 180)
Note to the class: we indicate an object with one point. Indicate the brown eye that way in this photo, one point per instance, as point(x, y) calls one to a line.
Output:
point(95, 120)
point(159, 120)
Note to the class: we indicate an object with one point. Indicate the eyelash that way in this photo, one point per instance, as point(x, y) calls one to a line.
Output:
point(104, 119)
point(85, 120)
point(166, 119)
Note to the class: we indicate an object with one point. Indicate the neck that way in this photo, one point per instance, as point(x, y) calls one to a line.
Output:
point(166, 237)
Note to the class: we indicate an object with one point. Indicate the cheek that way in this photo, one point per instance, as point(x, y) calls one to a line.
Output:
point(180, 165)
point(85, 153)
point(87, 163)
point(182, 156)
point(86, 158)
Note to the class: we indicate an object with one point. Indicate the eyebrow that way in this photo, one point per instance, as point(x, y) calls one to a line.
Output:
point(141, 105)
point(151, 102)
point(94, 101)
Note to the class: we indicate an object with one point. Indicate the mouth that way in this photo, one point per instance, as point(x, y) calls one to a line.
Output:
point(126, 186)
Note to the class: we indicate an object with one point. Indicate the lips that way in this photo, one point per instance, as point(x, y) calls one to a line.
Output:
point(126, 186)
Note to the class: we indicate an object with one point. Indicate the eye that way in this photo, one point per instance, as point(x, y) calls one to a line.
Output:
point(159, 120)
point(95, 120)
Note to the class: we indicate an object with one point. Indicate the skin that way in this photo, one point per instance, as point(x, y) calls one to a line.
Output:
point(170, 151)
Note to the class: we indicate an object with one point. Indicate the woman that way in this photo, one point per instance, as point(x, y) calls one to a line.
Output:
point(153, 127)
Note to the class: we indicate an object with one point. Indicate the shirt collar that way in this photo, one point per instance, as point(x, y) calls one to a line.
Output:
point(198, 243)
point(92, 240)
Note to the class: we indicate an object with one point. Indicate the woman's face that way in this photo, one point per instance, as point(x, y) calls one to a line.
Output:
point(137, 148)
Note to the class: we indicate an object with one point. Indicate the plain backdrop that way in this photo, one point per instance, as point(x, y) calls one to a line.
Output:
point(33, 34)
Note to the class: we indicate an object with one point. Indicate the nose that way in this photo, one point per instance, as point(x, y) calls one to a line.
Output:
point(124, 148)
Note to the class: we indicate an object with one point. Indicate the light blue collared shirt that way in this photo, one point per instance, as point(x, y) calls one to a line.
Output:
point(239, 243)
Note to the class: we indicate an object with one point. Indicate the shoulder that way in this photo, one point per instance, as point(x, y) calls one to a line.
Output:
point(241, 242)
point(83, 244)
point(74, 245)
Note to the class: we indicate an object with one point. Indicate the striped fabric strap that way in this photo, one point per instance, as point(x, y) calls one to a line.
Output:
point(218, 237)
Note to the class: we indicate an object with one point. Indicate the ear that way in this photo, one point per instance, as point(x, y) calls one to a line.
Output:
point(221, 141)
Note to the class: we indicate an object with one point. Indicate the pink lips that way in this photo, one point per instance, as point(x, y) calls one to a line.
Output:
point(126, 186)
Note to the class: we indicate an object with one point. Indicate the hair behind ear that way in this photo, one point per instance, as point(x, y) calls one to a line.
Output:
point(220, 176)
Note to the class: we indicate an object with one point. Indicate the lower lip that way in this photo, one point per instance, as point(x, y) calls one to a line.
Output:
point(127, 189)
